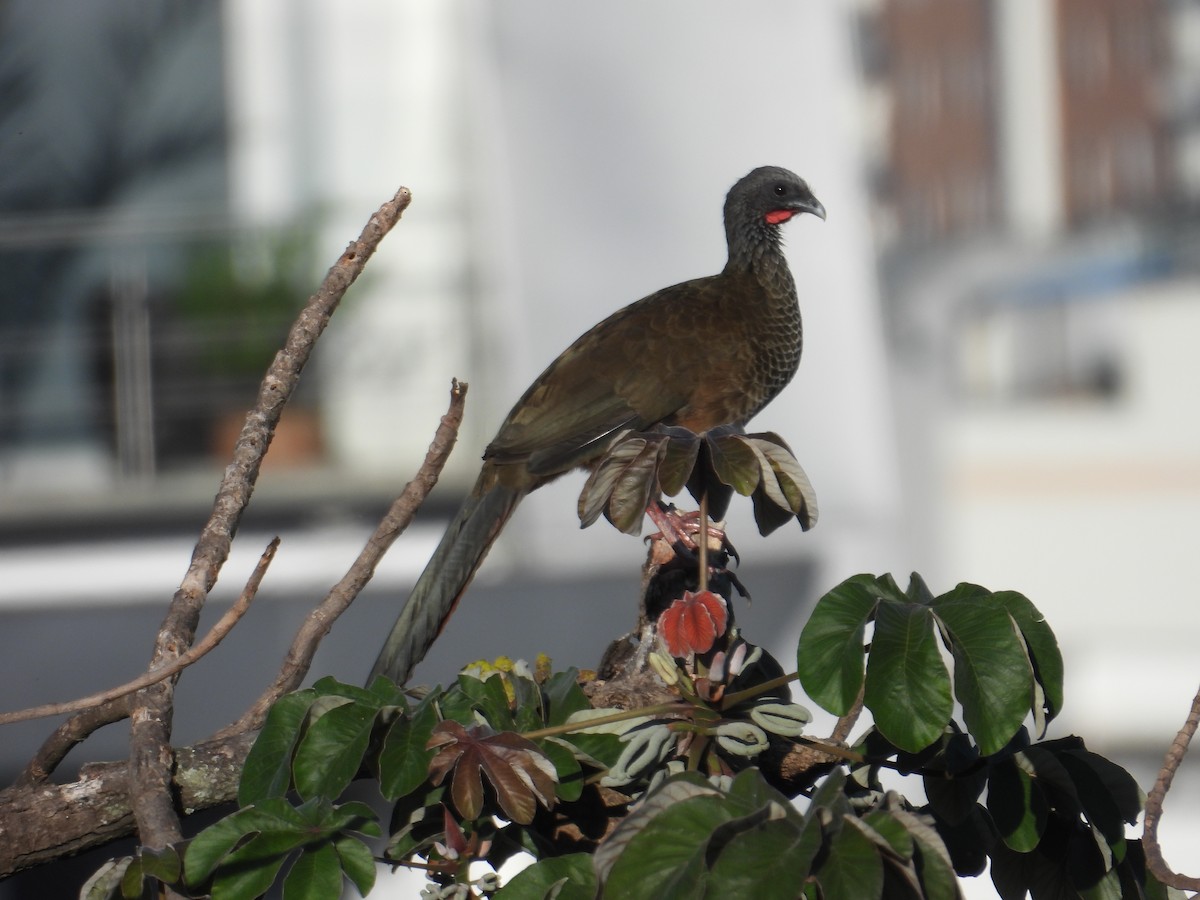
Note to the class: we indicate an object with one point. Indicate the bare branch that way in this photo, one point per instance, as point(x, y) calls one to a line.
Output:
point(95, 809)
point(1154, 804)
point(215, 635)
point(71, 732)
point(395, 521)
point(150, 757)
point(45, 822)
point(845, 724)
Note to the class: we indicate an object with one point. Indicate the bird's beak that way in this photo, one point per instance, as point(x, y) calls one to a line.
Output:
point(812, 205)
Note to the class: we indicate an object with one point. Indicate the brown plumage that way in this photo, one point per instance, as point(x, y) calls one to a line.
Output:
point(707, 352)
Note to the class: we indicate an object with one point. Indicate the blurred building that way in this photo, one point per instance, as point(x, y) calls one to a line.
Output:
point(1034, 169)
point(1037, 115)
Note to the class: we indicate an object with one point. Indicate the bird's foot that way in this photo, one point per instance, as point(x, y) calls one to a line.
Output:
point(682, 529)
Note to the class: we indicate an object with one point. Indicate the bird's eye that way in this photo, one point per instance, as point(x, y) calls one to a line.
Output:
point(780, 190)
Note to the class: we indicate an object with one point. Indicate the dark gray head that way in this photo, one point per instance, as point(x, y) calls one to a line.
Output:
point(760, 202)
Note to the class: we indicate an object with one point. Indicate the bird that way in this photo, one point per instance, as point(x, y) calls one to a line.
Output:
point(704, 353)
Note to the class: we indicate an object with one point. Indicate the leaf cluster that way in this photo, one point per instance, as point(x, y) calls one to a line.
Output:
point(1006, 660)
point(640, 467)
point(683, 799)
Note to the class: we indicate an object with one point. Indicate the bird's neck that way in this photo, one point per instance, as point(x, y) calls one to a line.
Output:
point(759, 252)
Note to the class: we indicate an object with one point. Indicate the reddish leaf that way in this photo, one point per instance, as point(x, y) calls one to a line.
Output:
point(518, 771)
point(456, 840)
point(692, 623)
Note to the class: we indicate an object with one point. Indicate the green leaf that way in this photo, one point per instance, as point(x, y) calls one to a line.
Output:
point(666, 858)
point(249, 871)
point(677, 458)
point(404, 761)
point(567, 877)
point(895, 847)
point(768, 862)
point(907, 688)
point(918, 591)
point(601, 749)
point(1017, 806)
point(1041, 760)
point(830, 795)
point(357, 862)
point(274, 829)
point(768, 517)
point(598, 489)
point(953, 797)
point(131, 874)
point(673, 792)
point(767, 483)
point(490, 699)
point(329, 686)
point(749, 791)
point(968, 841)
point(1107, 888)
point(563, 696)
point(164, 864)
point(133, 882)
point(316, 875)
point(890, 830)
point(993, 678)
point(107, 880)
point(268, 769)
point(332, 750)
point(793, 481)
point(735, 463)
point(353, 816)
point(689, 840)
point(935, 870)
point(527, 702)
point(208, 848)
point(1109, 795)
point(1042, 646)
point(852, 870)
point(568, 767)
point(829, 657)
point(385, 693)
point(624, 481)
point(633, 491)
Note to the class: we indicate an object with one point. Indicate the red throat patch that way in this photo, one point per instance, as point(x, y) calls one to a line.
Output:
point(776, 216)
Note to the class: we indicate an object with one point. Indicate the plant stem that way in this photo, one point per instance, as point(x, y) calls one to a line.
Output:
point(662, 709)
point(750, 693)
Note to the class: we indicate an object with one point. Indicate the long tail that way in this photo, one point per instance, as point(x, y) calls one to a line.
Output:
point(445, 579)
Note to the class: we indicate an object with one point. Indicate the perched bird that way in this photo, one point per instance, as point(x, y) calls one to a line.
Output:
point(707, 352)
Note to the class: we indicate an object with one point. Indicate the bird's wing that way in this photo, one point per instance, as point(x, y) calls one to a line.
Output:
point(617, 376)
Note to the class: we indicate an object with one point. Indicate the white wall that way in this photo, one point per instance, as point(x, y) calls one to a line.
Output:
point(1091, 510)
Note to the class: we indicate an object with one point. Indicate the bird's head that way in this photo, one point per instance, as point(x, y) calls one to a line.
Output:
point(769, 196)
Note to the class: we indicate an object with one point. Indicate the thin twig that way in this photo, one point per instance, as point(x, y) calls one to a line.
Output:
point(215, 635)
point(69, 734)
point(702, 584)
point(1154, 804)
point(150, 758)
point(395, 521)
